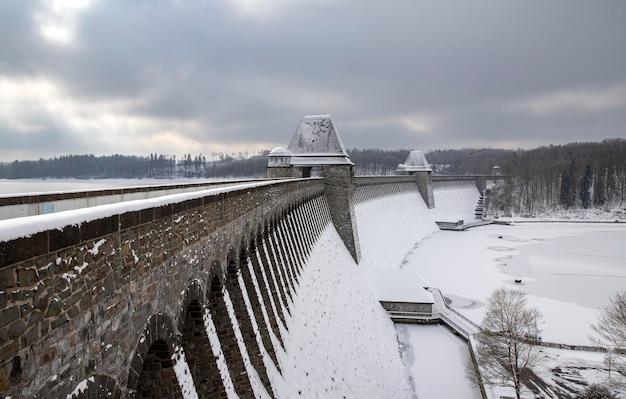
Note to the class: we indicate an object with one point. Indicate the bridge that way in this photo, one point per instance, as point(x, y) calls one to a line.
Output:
point(184, 294)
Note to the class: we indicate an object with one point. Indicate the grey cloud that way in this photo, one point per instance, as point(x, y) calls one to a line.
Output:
point(244, 79)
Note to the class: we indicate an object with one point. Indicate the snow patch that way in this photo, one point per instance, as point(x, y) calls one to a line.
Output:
point(94, 251)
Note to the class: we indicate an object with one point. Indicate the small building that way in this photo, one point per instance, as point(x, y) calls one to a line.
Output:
point(314, 148)
point(401, 292)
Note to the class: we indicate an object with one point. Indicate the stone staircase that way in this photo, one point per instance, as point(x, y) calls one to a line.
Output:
point(478, 211)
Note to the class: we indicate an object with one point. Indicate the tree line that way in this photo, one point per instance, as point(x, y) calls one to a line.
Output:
point(572, 176)
point(575, 175)
point(158, 166)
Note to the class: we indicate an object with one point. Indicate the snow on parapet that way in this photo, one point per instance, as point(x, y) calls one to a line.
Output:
point(317, 138)
point(11, 229)
point(415, 162)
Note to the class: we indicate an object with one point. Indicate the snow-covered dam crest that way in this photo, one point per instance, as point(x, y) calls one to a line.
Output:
point(244, 292)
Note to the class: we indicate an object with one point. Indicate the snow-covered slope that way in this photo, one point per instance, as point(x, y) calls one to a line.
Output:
point(455, 200)
point(389, 226)
point(341, 343)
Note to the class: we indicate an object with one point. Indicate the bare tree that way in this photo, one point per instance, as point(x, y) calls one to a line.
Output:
point(611, 331)
point(596, 391)
point(506, 352)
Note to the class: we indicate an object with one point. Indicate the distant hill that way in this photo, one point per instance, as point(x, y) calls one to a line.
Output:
point(575, 175)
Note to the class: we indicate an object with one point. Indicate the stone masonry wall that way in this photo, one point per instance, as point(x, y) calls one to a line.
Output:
point(81, 302)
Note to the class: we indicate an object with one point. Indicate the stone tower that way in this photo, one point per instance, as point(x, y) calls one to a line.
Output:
point(417, 165)
point(316, 150)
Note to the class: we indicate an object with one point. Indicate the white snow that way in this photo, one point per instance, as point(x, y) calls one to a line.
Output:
point(436, 358)
point(389, 226)
point(455, 200)
point(11, 229)
point(96, 247)
point(183, 374)
point(340, 343)
point(219, 355)
point(398, 286)
point(568, 293)
point(79, 269)
point(253, 376)
point(81, 387)
point(568, 270)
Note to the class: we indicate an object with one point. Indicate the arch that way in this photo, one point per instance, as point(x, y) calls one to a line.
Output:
point(226, 334)
point(232, 266)
point(234, 286)
point(97, 386)
point(152, 368)
point(196, 344)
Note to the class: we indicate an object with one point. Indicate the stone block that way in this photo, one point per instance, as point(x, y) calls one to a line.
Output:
point(9, 315)
point(35, 317)
point(48, 356)
point(62, 319)
point(54, 308)
point(4, 336)
point(17, 329)
point(7, 278)
point(31, 336)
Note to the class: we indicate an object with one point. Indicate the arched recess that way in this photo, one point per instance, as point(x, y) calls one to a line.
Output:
point(226, 334)
point(236, 291)
point(255, 303)
point(271, 261)
point(152, 368)
point(98, 386)
point(195, 341)
point(265, 289)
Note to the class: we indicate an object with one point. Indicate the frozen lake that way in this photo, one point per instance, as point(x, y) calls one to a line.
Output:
point(23, 186)
point(568, 270)
point(581, 268)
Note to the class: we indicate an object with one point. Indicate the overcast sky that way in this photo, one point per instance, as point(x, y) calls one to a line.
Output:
point(194, 76)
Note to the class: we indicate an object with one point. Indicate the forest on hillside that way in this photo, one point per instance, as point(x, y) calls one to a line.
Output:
point(575, 175)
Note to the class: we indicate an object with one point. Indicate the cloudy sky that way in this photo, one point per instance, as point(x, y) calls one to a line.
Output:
point(203, 76)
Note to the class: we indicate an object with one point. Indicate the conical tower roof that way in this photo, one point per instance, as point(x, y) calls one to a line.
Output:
point(415, 162)
point(316, 142)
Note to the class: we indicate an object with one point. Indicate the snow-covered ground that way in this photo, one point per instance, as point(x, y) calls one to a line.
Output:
point(341, 343)
point(455, 200)
point(568, 270)
point(436, 359)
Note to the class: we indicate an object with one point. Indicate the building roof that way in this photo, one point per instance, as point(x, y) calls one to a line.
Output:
point(279, 152)
point(397, 285)
point(316, 142)
point(415, 162)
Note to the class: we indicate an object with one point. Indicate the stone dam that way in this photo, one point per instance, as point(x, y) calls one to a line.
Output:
point(248, 290)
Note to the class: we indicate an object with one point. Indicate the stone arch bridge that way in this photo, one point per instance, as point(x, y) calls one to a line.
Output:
point(178, 296)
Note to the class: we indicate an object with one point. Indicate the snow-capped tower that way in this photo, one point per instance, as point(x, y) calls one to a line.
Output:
point(314, 147)
point(417, 165)
point(316, 150)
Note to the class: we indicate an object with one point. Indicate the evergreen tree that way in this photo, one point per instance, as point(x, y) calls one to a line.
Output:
point(585, 187)
point(568, 186)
